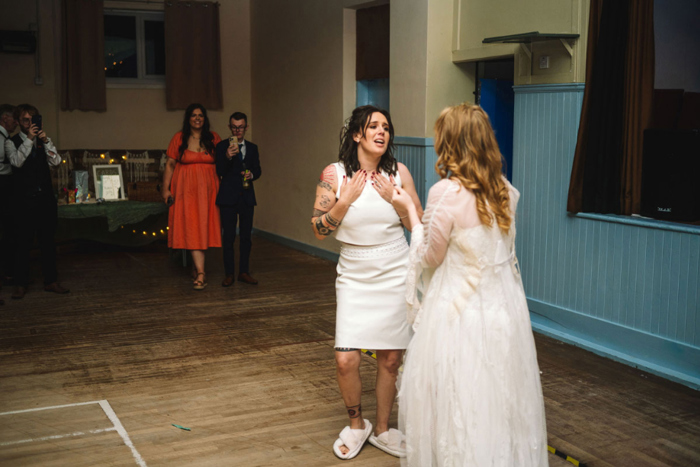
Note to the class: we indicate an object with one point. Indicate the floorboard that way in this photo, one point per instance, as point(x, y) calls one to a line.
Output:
point(250, 371)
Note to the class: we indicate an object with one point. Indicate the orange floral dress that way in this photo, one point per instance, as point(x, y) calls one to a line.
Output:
point(193, 220)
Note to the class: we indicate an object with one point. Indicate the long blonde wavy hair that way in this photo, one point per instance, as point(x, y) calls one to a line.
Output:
point(468, 152)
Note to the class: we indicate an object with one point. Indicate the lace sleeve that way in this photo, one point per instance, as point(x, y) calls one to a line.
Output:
point(437, 223)
point(428, 247)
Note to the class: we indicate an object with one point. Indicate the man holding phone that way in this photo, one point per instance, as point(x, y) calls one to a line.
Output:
point(238, 165)
point(31, 153)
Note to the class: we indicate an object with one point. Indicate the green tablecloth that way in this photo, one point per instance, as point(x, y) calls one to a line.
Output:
point(116, 223)
point(117, 213)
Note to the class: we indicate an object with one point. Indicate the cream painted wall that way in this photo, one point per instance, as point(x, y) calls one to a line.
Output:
point(409, 66)
point(424, 80)
point(297, 70)
point(447, 83)
point(19, 70)
point(136, 118)
point(349, 60)
point(477, 20)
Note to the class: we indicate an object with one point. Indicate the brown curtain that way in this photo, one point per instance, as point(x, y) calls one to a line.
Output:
point(617, 108)
point(575, 199)
point(372, 31)
point(192, 55)
point(82, 56)
point(639, 96)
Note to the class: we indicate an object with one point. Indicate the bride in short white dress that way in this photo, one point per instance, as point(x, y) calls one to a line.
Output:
point(353, 199)
point(470, 392)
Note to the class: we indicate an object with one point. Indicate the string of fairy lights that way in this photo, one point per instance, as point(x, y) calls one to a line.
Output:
point(107, 158)
point(162, 232)
point(102, 156)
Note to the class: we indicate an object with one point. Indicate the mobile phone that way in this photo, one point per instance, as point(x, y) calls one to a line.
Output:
point(36, 120)
point(170, 201)
point(233, 140)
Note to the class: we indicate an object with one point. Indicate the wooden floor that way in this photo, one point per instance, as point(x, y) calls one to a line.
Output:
point(249, 370)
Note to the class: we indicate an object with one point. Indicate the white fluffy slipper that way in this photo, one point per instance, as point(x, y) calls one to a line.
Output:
point(353, 440)
point(392, 442)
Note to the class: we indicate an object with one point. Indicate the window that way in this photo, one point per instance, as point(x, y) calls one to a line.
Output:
point(372, 56)
point(373, 92)
point(134, 47)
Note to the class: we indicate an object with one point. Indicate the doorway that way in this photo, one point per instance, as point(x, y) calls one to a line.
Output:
point(494, 93)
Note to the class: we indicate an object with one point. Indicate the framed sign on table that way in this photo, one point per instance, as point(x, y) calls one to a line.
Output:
point(109, 182)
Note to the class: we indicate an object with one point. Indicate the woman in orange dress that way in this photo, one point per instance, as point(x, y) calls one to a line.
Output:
point(190, 185)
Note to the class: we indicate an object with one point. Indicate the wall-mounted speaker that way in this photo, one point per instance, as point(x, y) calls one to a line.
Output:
point(671, 175)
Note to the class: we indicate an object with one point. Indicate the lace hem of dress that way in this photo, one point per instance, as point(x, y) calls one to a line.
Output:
point(374, 251)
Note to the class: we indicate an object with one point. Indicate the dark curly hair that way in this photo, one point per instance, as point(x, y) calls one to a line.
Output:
point(357, 123)
point(206, 139)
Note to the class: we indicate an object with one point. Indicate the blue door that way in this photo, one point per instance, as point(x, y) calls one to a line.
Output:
point(497, 100)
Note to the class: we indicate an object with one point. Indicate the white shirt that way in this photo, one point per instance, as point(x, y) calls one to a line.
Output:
point(17, 156)
point(242, 148)
point(5, 169)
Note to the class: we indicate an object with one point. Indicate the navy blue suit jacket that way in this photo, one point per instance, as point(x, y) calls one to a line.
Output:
point(231, 189)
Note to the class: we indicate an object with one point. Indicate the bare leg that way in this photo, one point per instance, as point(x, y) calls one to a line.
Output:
point(388, 363)
point(350, 383)
point(198, 260)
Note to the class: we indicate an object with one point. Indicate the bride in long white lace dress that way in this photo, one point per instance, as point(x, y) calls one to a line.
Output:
point(470, 392)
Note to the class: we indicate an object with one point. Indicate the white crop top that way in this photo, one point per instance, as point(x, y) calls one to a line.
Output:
point(370, 220)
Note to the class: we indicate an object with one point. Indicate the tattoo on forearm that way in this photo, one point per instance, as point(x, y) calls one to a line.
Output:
point(318, 213)
point(326, 224)
point(321, 227)
point(332, 221)
point(325, 185)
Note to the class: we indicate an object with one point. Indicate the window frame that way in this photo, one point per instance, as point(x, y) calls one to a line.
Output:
point(142, 80)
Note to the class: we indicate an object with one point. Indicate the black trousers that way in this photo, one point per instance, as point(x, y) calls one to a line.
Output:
point(240, 214)
point(36, 217)
point(7, 224)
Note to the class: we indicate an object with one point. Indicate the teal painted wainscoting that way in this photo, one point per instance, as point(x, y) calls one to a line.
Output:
point(618, 286)
point(418, 155)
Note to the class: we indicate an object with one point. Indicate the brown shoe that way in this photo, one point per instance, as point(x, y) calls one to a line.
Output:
point(228, 281)
point(55, 287)
point(19, 292)
point(245, 277)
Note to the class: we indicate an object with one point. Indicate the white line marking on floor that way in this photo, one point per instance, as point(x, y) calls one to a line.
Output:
point(49, 408)
point(106, 408)
point(48, 438)
point(122, 431)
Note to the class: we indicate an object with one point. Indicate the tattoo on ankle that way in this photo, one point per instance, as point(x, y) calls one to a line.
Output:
point(354, 411)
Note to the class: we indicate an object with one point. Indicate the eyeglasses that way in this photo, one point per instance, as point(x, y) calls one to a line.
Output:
point(236, 128)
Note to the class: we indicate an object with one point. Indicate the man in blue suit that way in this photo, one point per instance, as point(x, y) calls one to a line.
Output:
point(238, 165)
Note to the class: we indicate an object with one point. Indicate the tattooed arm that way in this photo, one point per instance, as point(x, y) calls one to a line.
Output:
point(329, 212)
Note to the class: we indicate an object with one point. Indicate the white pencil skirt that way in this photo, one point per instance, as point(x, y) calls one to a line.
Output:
point(371, 296)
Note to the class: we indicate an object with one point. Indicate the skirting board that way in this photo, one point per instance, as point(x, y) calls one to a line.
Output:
point(297, 245)
point(669, 359)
